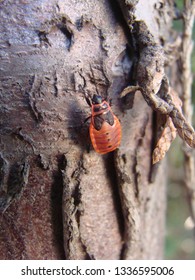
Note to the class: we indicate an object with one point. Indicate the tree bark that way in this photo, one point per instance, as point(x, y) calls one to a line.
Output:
point(59, 199)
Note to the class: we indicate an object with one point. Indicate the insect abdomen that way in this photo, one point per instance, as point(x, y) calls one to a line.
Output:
point(106, 139)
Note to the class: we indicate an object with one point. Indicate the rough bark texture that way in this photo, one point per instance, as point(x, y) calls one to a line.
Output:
point(58, 199)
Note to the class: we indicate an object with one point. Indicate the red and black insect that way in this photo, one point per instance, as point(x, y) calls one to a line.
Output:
point(105, 128)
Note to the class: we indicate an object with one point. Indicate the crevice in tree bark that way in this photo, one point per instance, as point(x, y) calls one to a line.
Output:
point(72, 207)
point(14, 182)
point(135, 168)
point(56, 206)
point(112, 175)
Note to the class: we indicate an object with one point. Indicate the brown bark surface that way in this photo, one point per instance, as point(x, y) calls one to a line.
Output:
point(58, 199)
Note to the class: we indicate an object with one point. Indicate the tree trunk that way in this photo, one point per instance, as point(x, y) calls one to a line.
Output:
point(59, 199)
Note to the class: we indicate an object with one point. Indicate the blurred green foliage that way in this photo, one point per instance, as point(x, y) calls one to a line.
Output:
point(179, 235)
point(180, 242)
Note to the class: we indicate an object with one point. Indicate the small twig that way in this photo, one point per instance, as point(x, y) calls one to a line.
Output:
point(187, 46)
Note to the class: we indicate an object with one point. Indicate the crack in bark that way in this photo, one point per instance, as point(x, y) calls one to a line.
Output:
point(130, 208)
point(111, 169)
point(15, 180)
point(32, 100)
point(136, 163)
point(72, 209)
point(55, 84)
